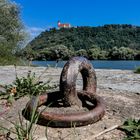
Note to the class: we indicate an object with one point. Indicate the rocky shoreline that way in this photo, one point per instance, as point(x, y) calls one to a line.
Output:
point(119, 88)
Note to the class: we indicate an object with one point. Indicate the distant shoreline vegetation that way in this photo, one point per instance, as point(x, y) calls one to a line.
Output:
point(108, 42)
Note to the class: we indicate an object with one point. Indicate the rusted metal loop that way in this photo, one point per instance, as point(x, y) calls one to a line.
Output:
point(70, 97)
point(67, 120)
point(69, 76)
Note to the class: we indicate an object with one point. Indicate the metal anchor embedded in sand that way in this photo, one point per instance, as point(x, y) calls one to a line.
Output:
point(67, 98)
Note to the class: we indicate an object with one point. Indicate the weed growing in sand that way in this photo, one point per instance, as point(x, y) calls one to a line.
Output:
point(137, 70)
point(132, 129)
point(29, 85)
point(22, 129)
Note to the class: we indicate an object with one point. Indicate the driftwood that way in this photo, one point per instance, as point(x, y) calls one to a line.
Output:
point(103, 132)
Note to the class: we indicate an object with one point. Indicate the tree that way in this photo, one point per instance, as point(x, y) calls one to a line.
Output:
point(56, 52)
point(82, 52)
point(12, 35)
point(114, 53)
point(122, 53)
point(137, 56)
point(94, 52)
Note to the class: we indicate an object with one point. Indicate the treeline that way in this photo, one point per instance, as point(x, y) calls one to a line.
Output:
point(12, 34)
point(117, 42)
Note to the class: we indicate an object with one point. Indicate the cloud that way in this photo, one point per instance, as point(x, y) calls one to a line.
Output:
point(34, 31)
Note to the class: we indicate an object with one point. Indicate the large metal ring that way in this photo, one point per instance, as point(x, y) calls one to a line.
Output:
point(69, 76)
point(71, 97)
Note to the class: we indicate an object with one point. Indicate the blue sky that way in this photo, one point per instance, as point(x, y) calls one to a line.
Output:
point(39, 15)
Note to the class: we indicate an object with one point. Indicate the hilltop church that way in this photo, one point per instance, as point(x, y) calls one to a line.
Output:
point(63, 25)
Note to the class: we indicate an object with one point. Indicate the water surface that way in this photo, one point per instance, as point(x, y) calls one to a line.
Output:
point(97, 64)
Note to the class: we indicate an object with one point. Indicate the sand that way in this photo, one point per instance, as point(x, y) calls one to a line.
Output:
point(120, 90)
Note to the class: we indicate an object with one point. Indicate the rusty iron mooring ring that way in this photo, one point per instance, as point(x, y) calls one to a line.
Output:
point(71, 97)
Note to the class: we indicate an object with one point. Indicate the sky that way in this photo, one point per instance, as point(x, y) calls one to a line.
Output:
point(39, 15)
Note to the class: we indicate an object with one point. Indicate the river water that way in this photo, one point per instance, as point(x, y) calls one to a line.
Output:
point(97, 64)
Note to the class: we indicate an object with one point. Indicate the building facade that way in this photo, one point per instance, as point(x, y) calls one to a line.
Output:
point(63, 25)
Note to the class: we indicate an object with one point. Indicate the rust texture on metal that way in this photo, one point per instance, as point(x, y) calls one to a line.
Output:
point(70, 97)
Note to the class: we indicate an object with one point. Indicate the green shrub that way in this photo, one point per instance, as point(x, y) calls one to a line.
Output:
point(132, 129)
point(137, 70)
point(29, 85)
point(10, 60)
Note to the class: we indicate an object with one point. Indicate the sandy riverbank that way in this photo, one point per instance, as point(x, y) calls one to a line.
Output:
point(112, 79)
point(119, 88)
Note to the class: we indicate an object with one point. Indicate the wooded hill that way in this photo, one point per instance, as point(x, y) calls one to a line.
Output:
point(102, 42)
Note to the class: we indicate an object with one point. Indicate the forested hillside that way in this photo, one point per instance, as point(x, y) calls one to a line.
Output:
point(103, 42)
